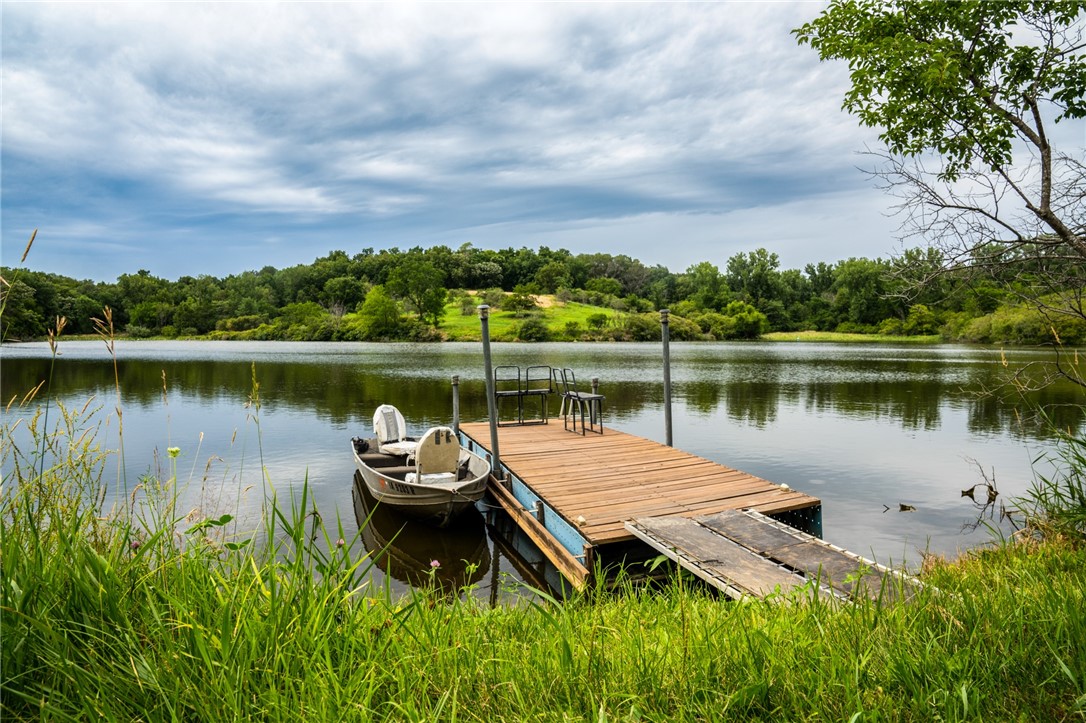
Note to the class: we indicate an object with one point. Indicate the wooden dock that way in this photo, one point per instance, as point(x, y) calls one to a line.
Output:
point(574, 493)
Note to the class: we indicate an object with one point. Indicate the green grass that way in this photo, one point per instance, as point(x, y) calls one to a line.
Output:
point(504, 324)
point(833, 336)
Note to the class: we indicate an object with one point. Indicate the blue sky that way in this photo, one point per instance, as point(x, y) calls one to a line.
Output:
point(194, 138)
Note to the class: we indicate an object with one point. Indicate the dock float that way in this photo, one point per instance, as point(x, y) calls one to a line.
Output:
point(744, 553)
point(573, 494)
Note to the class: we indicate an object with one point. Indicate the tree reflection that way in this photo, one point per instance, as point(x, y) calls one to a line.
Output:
point(749, 384)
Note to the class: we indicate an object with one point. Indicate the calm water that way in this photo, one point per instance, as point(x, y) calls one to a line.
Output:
point(866, 429)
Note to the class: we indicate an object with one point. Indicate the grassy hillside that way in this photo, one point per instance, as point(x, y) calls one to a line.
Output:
point(838, 337)
point(504, 325)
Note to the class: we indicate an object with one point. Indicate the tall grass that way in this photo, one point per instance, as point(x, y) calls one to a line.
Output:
point(1055, 504)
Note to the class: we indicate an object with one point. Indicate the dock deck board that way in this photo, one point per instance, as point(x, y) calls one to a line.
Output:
point(743, 553)
point(614, 477)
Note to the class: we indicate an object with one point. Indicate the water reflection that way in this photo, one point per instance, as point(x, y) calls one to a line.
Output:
point(753, 384)
point(407, 550)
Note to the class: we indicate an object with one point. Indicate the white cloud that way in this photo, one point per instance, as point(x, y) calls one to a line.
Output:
point(422, 120)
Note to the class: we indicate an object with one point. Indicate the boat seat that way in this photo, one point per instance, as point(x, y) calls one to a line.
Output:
point(400, 471)
point(438, 452)
point(391, 430)
point(431, 479)
point(377, 460)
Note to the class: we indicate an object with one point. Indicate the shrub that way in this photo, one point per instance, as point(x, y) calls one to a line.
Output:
point(892, 327)
point(533, 329)
point(519, 302)
point(921, 320)
point(679, 328)
point(852, 327)
point(598, 321)
point(573, 330)
point(494, 298)
point(716, 325)
point(240, 323)
point(138, 332)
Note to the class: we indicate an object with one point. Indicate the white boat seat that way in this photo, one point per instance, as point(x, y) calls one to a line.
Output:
point(391, 430)
point(399, 448)
point(431, 479)
point(438, 452)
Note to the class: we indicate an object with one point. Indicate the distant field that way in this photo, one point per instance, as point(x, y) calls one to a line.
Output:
point(832, 336)
point(504, 324)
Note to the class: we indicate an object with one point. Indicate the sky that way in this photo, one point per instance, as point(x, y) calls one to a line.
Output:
point(214, 138)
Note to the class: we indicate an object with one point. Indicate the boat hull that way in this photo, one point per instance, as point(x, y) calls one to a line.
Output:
point(434, 503)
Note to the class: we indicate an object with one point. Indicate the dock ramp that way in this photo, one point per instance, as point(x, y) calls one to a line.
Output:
point(745, 553)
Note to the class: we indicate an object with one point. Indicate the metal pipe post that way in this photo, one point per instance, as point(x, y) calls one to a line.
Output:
point(665, 334)
point(456, 404)
point(491, 404)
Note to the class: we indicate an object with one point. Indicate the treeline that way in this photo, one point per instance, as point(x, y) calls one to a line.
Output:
point(394, 294)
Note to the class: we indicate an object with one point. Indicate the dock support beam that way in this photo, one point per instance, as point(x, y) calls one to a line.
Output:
point(456, 404)
point(491, 403)
point(665, 334)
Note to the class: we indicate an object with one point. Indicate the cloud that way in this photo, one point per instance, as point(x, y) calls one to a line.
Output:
point(353, 125)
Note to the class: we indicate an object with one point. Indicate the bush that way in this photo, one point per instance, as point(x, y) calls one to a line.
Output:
point(716, 325)
point(892, 327)
point(598, 321)
point(921, 321)
point(494, 298)
point(852, 327)
point(240, 323)
point(533, 329)
point(519, 302)
point(749, 322)
point(573, 330)
point(679, 328)
point(1019, 326)
point(138, 332)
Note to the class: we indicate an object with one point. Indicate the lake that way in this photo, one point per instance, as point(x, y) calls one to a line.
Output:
point(867, 429)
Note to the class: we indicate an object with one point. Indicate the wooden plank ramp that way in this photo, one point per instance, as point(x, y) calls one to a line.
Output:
point(744, 553)
point(582, 489)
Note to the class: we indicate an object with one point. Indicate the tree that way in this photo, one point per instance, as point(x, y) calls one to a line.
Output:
point(520, 302)
point(980, 86)
point(860, 293)
point(20, 318)
point(380, 314)
point(343, 293)
point(552, 276)
point(704, 284)
point(421, 283)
